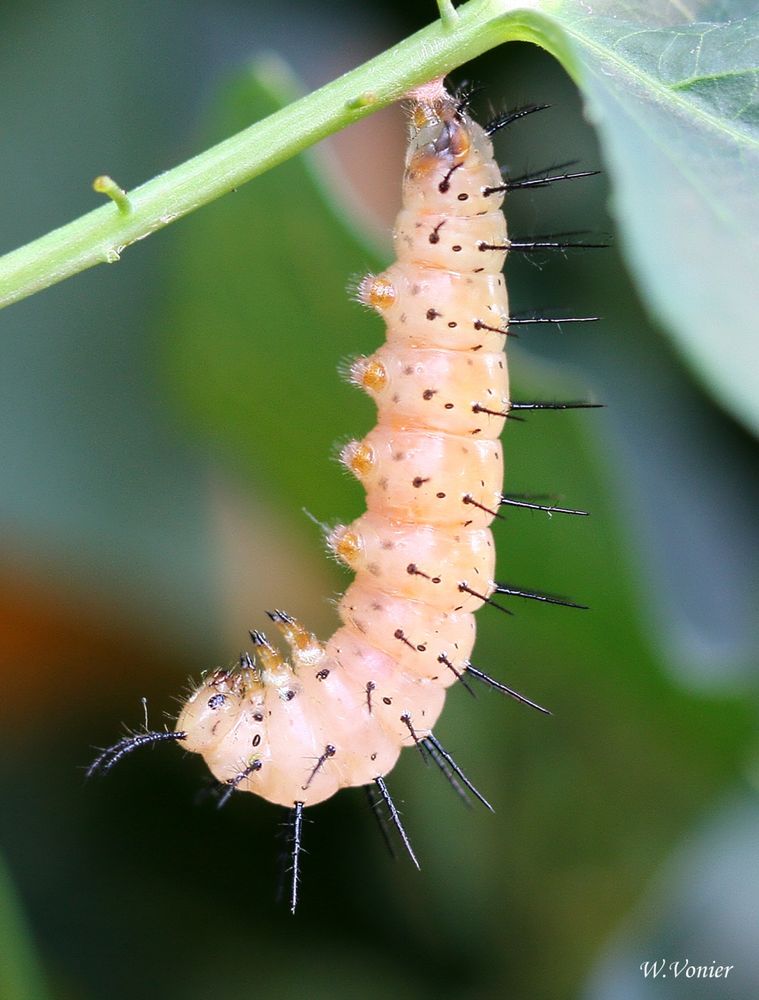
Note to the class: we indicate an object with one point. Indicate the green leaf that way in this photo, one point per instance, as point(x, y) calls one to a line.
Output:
point(677, 111)
point(263, 320)
point(20, 974)
point(260, 321)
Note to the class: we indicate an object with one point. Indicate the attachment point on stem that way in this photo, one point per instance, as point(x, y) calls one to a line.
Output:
point(366, 99)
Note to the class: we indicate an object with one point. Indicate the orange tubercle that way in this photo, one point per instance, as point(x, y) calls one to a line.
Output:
point(345, 544)
point(369, 374)
point(376, 291)
point(358, 457)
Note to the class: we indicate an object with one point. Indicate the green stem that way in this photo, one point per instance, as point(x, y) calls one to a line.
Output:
point(100, 236)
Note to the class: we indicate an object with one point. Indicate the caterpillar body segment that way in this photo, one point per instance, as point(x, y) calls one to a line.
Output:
point(401, 379)
point(439, 309)
point(416, 561)
point(414, 634)
point(435, 477)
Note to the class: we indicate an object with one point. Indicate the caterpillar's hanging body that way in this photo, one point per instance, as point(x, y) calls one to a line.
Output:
point(338, 714)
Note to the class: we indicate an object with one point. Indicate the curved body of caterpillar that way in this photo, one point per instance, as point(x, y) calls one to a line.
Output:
point(338, 714)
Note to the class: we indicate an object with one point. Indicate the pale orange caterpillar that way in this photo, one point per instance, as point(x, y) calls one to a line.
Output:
point(338, 714)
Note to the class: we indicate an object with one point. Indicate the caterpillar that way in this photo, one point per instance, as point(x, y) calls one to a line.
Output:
point(338, 714)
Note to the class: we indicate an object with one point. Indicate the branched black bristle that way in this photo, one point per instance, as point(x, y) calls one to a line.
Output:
point(406, 720)
point(555, 406)
point(225, 793)
point(486, 600)
point(442, 658)
point(543, 180)
point(507, 118)
point(280, 616)
point(497, 686)
point(551, 241)
point(476, 408)
point(296, 846)
point(539, 179)
point(110, 756)
point(435, 747)
point(479, 325)
point(537, 595)
point(449, 775)
point(329, 751)
point(563, 165)
point(532, 319)
point(521, 500)
point(467, 499)
point(375, 804)
point(509, 414)
point(395, 817)
point(227, 789)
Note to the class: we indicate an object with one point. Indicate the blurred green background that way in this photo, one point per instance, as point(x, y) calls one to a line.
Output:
point(164, 424)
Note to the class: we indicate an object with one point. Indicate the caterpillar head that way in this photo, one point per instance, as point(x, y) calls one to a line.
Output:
point(449, 163)
point(440, 134)
point(215, 706)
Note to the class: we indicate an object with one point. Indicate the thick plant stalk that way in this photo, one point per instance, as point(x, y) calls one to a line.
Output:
point(102, 235)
